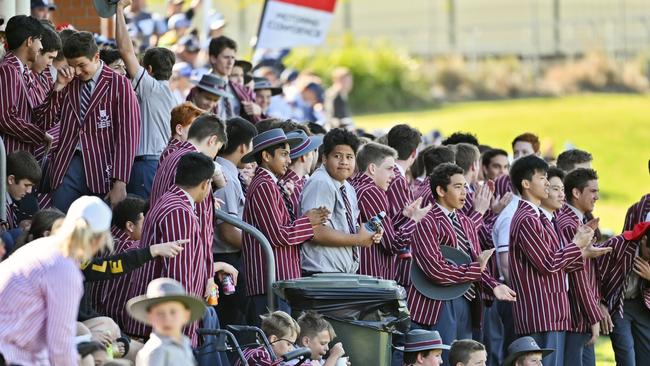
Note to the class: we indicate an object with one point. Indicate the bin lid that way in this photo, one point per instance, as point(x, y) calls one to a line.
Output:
point(337, 281)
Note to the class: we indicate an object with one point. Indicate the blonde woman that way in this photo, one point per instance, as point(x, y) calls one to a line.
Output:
point(41, 285)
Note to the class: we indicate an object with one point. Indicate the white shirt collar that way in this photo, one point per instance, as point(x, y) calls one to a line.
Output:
point(190, 199)
point(580, 215)
point(548, 214)
point(444, 210)
point(532, 205)
point(275, 179)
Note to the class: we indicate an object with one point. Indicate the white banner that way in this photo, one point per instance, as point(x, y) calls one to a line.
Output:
point(290, 23)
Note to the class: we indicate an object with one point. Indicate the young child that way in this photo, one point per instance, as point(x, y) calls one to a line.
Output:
point(525, 352)
point(282, 331)
point(423, 347)
point(316, 333)
point(167, 308)
point(466, 352)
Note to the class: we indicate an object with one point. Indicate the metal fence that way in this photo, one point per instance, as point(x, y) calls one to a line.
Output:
point(477, 28)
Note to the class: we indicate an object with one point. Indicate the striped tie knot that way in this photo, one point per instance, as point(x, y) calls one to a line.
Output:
point(86, 92)
point(287, 202)
point(464, 245)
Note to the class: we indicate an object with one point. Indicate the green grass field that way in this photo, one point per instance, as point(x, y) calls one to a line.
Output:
point(614, 128)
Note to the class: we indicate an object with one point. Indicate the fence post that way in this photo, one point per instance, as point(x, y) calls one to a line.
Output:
point(3, 183)
point(267, 250)
point(451, 24)
point(557, 40)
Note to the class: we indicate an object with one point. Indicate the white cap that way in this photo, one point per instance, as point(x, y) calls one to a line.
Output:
point(93, 210)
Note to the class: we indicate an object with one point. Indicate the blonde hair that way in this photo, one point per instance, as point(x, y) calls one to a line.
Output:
point(77, 243)
point(279, 324)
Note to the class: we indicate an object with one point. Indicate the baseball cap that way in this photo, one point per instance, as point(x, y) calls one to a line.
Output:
point(43, 4)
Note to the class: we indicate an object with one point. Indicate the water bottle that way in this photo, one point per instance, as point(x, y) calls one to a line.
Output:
point(375, 223)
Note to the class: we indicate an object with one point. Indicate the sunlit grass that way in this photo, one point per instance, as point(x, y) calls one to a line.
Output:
point(614, 128)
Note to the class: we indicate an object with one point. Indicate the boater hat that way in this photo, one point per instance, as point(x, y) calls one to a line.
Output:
point(522, 346)
point(212, 84)
point(433, 291)
point(309, 143)
point(163, 290)
point(422, 340)
point(265, 84)
point(105, 8)
point(269, 138)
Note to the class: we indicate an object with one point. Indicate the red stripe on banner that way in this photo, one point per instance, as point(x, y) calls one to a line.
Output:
point(324, 5)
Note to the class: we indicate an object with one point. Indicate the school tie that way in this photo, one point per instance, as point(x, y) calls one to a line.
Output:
point(464, 245)
point(227, 106)
point(242, 183)
point(348, 217)
point(287, 202)
point(86, 92)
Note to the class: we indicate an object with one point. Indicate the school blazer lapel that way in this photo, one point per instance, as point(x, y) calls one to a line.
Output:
point(102, 85)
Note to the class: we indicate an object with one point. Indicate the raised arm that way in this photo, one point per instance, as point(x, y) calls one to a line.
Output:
point(124, 44)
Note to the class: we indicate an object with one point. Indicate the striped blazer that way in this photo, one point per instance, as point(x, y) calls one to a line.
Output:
point(584, 285)
point(109, 133)
point(614, 269)
point(109, 297)
point(399, 195)
point(637, 212)
point(19, 128)
point(164, 181)
point(171, 218)
point(538, 262)
point(264, 208)
point(502, 185)
point(172, 146)
point(298, 184)
point(376, 260)
point(434, 230)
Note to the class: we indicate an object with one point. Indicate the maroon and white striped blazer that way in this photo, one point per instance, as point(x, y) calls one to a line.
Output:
point(502, 185)
point(164, 180)
point(424, 191)
point(538, 262)
point(376, 260)
point(613, 270)
point(468, 209)
point(173, 218)
point(584, 287)
point(637, 212)
point(399, 195)
point(172, 146)
point(19, 128)
point(264, 208)
point(434, 230)
point(42, 85)
point(109, 133)
point(109, 297)
point(298, 184)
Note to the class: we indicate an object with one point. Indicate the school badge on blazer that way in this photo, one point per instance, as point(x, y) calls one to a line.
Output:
point(439, 292)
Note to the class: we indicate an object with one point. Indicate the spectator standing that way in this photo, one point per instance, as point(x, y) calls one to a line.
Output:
point(100, 126)
point(41, 285)
point(156, 100)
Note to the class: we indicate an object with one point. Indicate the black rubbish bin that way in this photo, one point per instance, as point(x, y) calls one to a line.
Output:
point(363, 310)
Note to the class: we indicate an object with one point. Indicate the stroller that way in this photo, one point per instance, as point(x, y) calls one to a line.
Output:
point(220, 342)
